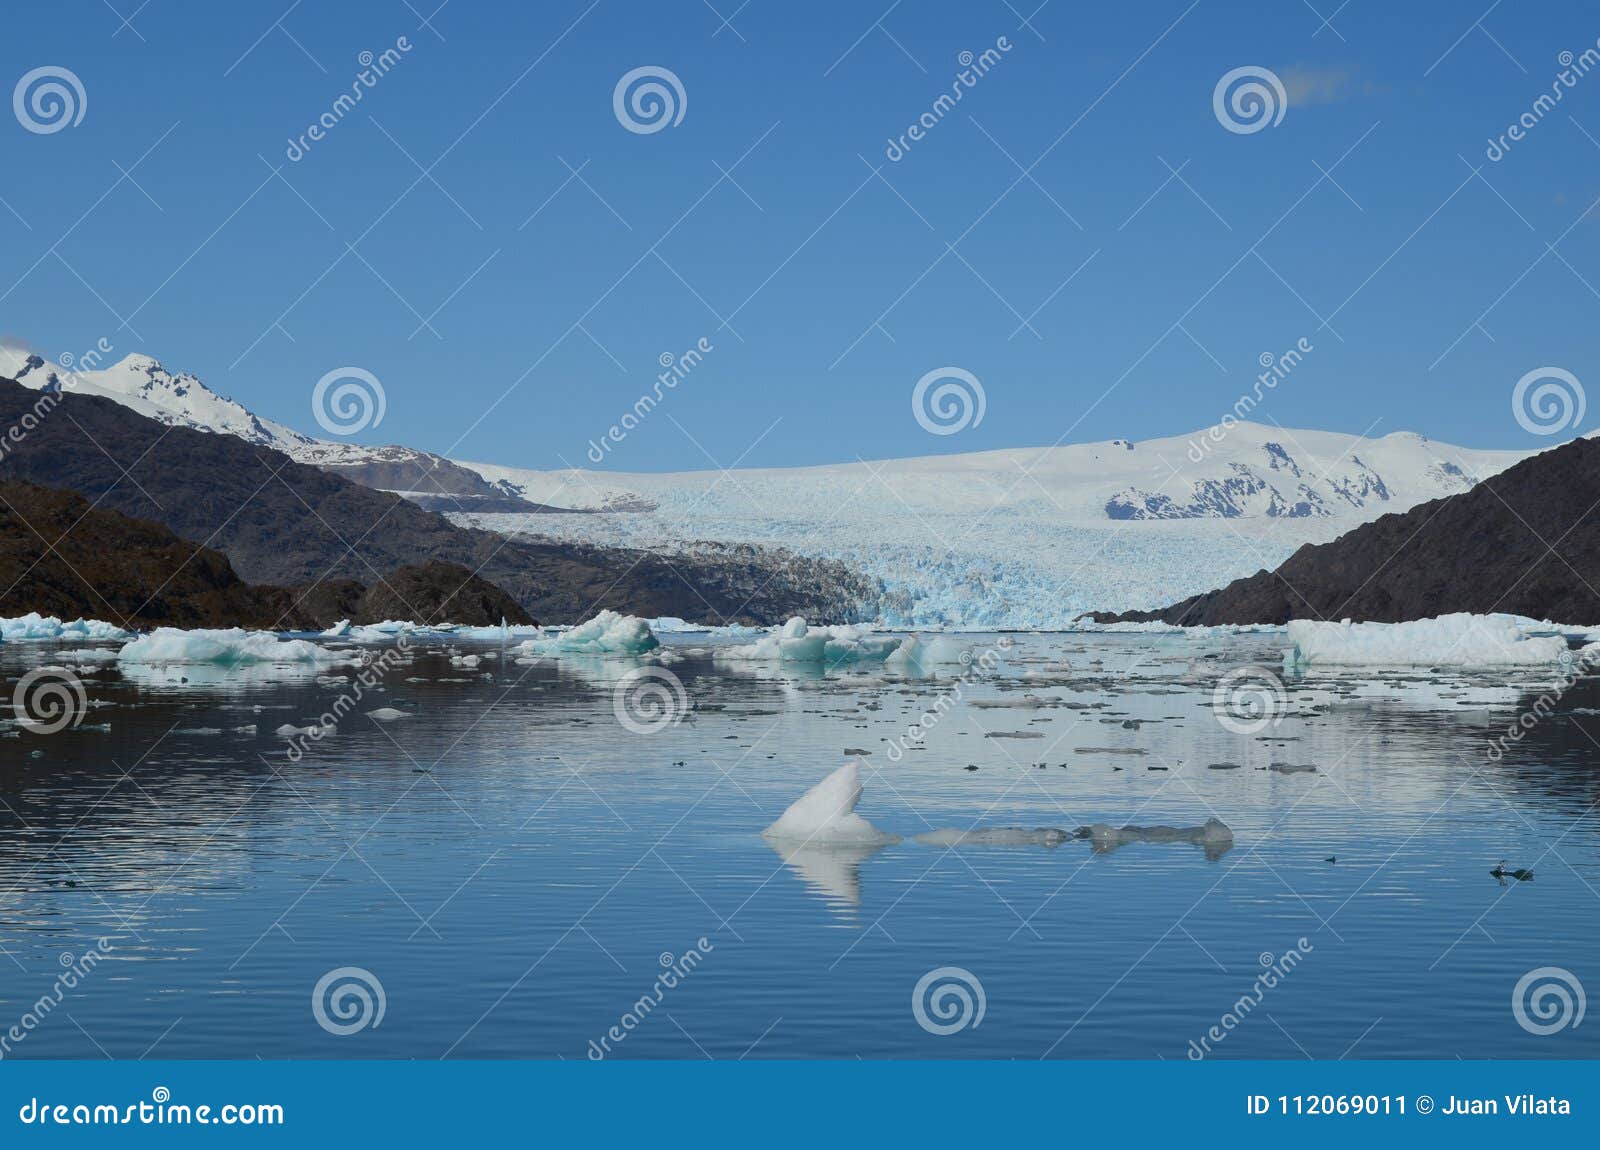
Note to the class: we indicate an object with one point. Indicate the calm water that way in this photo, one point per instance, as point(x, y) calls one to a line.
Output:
point(512, 865)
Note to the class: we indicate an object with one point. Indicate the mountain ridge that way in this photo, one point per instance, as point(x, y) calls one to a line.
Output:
point(1525, 541)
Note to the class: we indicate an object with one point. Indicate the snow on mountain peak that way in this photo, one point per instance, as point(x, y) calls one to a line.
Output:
point(141, 383)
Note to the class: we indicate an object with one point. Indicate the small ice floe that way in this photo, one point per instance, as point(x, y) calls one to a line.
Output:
point(826, 814)
point(87, 655)
point(797, 642)
point(1025, 703)
point(290, 731)
point(388, 714)
point(36, 626)
point(1213, 835)
point(1292, 768)
point(996, 837)
point(468, 661)
point(608, 633)
point(1014, 735)
point(1459, 640)
point(672, 625)
point(232, 646)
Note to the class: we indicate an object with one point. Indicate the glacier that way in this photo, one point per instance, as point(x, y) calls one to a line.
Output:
point(1018, 539)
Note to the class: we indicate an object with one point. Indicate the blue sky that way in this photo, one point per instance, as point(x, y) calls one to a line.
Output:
point(758, 224)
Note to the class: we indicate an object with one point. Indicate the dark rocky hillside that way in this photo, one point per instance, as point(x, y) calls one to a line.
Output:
point(60, 556)
point(289, 524)
point(1526, 541)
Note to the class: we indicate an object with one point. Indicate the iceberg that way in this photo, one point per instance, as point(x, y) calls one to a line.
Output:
point(36, 626)
point(826, 814)
point(796, 642)
point(231, 646)
point(1459, 640)
point(608, 633)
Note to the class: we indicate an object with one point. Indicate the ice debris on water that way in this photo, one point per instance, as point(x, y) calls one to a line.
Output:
point(798, 642)
point(232, 646)
point(36, 626)
point(608, 633)
point(1459, 640)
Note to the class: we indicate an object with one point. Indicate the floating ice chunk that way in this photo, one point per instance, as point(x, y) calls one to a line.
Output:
point(232, 646)
point(464, 660)
point(87, 655)
point(388, 714)
point(289, 731)
point(1156, 627)
point(36, 626)
point(338, 631)
point(1025, 703)
point(608, 633)
point(996, 837)
point(796, 642)
point(1214, 835)
point(826, 814)
point(1459, 640)
point(504, 633)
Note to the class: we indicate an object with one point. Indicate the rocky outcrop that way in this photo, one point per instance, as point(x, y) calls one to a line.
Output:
point(60, 556)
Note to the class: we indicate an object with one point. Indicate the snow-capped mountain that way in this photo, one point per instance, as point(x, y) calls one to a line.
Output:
point(142, 384)
point(1013, 538)
point(1255, 471)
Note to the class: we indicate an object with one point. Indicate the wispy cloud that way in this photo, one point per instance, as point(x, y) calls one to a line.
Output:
point(1306, 84)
